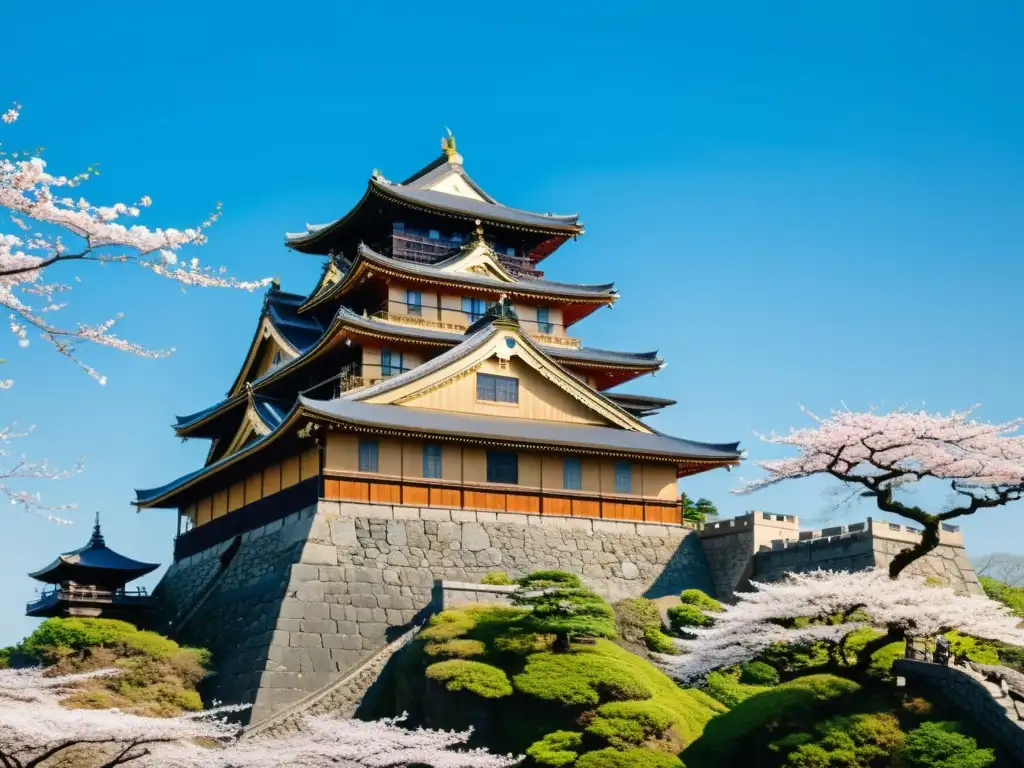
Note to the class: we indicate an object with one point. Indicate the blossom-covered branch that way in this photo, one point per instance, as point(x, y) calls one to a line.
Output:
point(884, 453)
point(36, 729)
point(901, 608)
point(44, 211)
point(15, 469)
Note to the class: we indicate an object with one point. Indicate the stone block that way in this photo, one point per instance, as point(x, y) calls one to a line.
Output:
point(343, 533)
point(614, 527)
point(316, 610)
point(301, 572)
point(406, 513)
point(436, 515)
point(320, 554)
point(373, 630)
point(474, 537)
point(318, 626)
point(464, 516)
point(291, 609)
point(310, 592)
point(396, 533)
point(346, 658)
point(652, 530)
point(302, 640)
point(509, 517)
point(329, 508)
point(487, 517)
point(322, 661)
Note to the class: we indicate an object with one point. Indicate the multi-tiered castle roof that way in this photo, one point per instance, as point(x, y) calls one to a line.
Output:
point(433, 330)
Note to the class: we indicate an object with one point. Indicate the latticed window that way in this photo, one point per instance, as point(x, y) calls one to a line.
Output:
point(474, 308)
point(623, 477)
point(414, 302)
point(368, 455)
point(432, 461)
point(502, 467)
point(544, 320)
point(572, 475)
point(497, 389)
point(390, 362)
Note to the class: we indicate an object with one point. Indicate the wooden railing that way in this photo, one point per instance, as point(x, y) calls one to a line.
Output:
point(493, 497)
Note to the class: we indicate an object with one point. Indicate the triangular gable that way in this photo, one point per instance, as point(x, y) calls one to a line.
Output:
point(252, 426)
point(455, 183)
point(269, 349)
point(479, 259)
point(547, 391)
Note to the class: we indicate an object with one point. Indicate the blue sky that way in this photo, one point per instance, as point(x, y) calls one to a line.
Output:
point(799, 202)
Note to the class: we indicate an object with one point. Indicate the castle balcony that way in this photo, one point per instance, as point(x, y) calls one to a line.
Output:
point(358, 375)
point(430, 246)
point(456, 320)
point(78, 600)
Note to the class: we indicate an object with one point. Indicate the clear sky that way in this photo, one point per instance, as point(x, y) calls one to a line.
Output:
point(800, 202)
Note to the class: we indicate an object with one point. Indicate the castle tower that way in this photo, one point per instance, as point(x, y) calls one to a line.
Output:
point(90, 581)
point(432, 375)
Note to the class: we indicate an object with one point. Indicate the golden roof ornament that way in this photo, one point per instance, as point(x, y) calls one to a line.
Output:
point(448, 147)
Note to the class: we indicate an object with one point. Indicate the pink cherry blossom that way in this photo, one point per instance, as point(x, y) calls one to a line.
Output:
point(884, 453)
point(35, 727)
point(903, 607)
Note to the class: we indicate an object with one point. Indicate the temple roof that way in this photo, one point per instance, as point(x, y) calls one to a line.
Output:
point(446, 271)
point(626, 436)
point(95, 563)
point(639, 405)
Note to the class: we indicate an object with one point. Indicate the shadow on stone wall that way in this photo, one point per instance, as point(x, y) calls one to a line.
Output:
point(687, 568)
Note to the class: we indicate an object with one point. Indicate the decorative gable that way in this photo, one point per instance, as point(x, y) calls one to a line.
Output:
point(479, 259)
point(453, 183)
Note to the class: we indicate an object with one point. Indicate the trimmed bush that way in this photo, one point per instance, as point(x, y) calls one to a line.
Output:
point(726, 688)
point(938, 745)
point(758, 673)
point(700, 599)
point(626, 724)
point(498, 578)
point(681, 617)
point(578, 678)
point(556, 748)
point(448, 625)
point(460, 648)
point(633, 758)
point(659, 642)
point(854, 740)
point(473, 676)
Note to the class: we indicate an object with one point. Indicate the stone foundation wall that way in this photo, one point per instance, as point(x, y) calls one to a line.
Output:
point(309, 597)
point(456, 593)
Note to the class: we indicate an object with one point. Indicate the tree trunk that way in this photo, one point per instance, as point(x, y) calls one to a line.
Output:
point(562, 641)
point(892, 635)
point(929, 541)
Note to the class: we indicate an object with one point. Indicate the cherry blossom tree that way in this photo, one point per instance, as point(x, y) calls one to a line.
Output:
point(55, 227)
point(884, 454)
point(35, 729)
point(901, 608)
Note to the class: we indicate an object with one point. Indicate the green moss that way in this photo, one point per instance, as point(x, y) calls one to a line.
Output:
point(792, 705)
point(473, 676)
point(659, 642)
point(460, 648)
point(633, 758)
point(556, 749)
point(499, 578)
point(978, 651)
point(682, 617)
point(858, 741)
point(626, 724)
point(579, 678)
point(1011, 597)
point(726, 688)
point(54, 638)
point(448, 625)
point(758, 673)
point(699, 599)
point(551, 579)
point(705, 700)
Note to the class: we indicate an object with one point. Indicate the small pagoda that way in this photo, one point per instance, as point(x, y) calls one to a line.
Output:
point(90, 581)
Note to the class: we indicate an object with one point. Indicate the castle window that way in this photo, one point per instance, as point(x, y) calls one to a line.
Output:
point(475, 308)
point(435, 235)
point(623, 477)
point(510, 251)
point(544, 320)
point(400, 226)
point(432, 461)
point(390, 362)
point(369, 453)
point(502, 467)
point(572, 475)
point(414, 302)
point(497, 389)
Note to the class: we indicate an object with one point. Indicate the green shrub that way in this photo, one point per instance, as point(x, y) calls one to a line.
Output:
point(633, 758)
point(550, 579)
point(473, 676)
point(578, 678)
point(460, 648)
point(700, 599)
point(499, 578)
point(626, 724)
point(793, 705)
point(559, 605)
point(758, 673)
point(854, 741)
point(634, 616)
point(1011, 597)
point(728, 690)
point(556, 748)
point(448, 625)
point(659, 642)
point(978, 651)
point(705, 700)
point(939, 745)
point(54, 638)
point(681, 617)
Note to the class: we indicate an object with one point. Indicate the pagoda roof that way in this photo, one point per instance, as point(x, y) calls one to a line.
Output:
point(95, 563)
point(627, 437)
point(639, 405)
point(422, 191)
point(447, 271)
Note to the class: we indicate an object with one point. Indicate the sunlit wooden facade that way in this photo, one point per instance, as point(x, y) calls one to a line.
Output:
point(432, 365)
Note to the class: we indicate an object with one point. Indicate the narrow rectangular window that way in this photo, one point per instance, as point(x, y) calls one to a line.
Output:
point(572, 475)
point(414, 302)
point(390, 362)
point(368, 455)
point(544, 320)
point(497, 389)
point(435, 235)
point(432, 461)
point(623, 477)
point(502, 467)
point(510, 251)
point(475, 308)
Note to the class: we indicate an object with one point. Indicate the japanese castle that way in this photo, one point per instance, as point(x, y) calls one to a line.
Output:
point(432, 365)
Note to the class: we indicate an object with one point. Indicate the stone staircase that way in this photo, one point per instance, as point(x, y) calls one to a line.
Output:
point(341, 697)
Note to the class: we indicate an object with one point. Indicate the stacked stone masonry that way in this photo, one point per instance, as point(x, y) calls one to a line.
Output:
point(988, 703)
point(307, 598)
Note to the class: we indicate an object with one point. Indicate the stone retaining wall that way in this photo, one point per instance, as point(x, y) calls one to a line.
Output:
point(456, 593)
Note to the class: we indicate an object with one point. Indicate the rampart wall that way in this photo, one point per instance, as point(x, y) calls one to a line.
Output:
point(308, 597)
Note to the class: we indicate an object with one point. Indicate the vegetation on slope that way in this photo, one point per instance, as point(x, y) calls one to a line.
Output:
point(159, 677)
